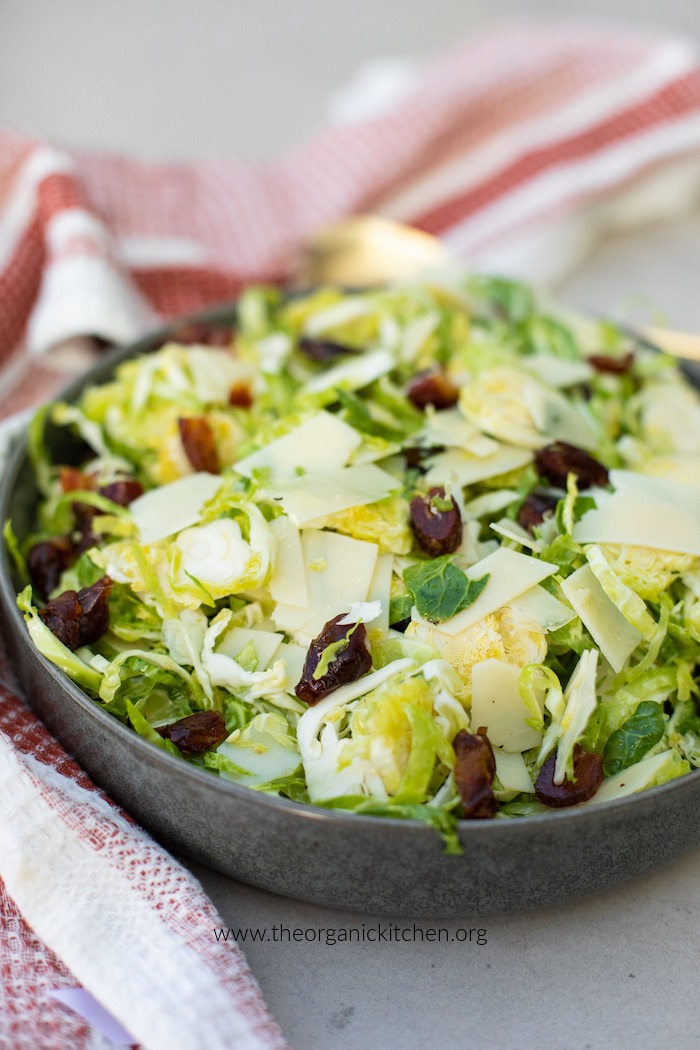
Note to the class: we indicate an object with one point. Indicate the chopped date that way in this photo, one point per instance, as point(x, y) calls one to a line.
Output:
point(436, 522)
point(79, 618)
point(558, 460)
point(47, 561)
point(416, 456)
point(197, 733)
point(123, 491)
point(201, 333)
point(475, 768)
point(616, 366)
point(588, 776)
point(74, 480)
point(240, 396)
point(198, 442)
point(432, 387)
point(323, 351)
point(94, 617)
point(535, 508)
point(347, 665)
point(83, 537)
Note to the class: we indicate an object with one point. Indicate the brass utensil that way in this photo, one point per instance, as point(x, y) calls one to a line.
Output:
point(364, 250)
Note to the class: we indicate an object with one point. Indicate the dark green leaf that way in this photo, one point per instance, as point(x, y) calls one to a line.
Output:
point(634, 738)
point(400, 608)
point(440, 590)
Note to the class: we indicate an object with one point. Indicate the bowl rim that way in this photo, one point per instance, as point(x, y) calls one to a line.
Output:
point(17, 459)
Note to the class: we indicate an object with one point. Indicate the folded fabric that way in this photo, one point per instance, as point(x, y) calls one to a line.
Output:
point(516, 148)
point(89, 899)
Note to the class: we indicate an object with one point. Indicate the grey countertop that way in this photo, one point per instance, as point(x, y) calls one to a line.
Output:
point(617, 971)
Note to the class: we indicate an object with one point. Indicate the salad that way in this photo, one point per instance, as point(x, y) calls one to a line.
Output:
point(430, 551)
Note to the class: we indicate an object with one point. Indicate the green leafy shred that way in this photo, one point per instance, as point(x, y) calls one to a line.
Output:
point(634, 738)
point(440, 590)
point(227, 579)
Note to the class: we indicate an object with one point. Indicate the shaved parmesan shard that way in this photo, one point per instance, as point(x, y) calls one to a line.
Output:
point(559, 419)
point(510, 575)
point(490, 502)
point(339, 571)
point(171, 508)
point(352, 374)
point(558, 371)
point(380, 588)
point(451, 429)
point(314, 496)
point(666, 490)
point(415, 335)
point(498, 707)
point(347, 309)
point(288, 581)
point(512, 771)
point(317, 445)
point(465, 469)
point(361, 612)
point(265, 643)
point(613, 634)
point(638, 777)
point(214, 372)
point(644, 512)
point(544, 608)
point(510, 530)
point(294, 657)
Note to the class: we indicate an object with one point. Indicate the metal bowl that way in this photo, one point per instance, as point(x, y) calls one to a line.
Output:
point(342, 860)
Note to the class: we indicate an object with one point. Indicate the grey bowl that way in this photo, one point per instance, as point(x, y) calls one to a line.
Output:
point(369, 864)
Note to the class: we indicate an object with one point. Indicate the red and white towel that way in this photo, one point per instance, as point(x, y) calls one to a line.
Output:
point(518, 149)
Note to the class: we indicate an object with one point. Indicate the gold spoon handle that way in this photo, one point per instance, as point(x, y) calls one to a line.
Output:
point(678, 344)
point(365, 250)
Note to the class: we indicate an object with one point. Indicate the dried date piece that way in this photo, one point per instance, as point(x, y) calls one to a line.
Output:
point(197, 733)
point(83, 536)
point(197, 439)
point(475, 768)
point(201, 333)
point(47, 561)
point(535, 508)
point(558, 460)
point(79, 618)
point(615, 366)
point(123, 491)
point(74, 480)
point(62, 617)
point(349, 662)
point(432, 387)
point(588, 776)
point(239, 396)
point(416, 456)
point(436, 522)
point(323, 351)
point(94, 616)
